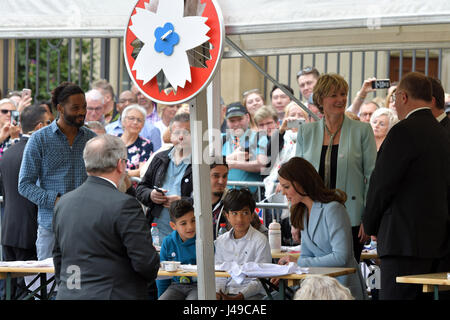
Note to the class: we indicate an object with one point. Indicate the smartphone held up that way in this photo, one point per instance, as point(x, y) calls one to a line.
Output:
point(381, 84)
point(15, 118)
point(26, 92)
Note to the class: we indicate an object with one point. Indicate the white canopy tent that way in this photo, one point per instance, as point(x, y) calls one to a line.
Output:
point(259, 27)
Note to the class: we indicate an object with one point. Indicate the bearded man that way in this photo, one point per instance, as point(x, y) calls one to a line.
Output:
point(52, 163)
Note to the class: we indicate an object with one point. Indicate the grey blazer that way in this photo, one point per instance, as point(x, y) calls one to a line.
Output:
point(327, 242)
point(356, 159)
point(103, 240)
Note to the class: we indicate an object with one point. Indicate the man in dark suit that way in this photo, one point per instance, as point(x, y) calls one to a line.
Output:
point(19, 224)
point(407, 203)
point(103, 246)
point(438, 104)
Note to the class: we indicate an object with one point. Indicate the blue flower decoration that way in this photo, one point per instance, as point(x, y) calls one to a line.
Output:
point(166, 39)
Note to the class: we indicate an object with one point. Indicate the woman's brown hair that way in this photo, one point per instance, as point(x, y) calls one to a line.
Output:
point(300, 172)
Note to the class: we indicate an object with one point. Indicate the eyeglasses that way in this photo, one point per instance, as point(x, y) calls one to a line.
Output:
point(98, 109)
point(246, 93)
point(304, 71)
point(5, 111)
point(366, 114)
point(184, 133)
point(395, 94)
point(132, 119)
point(127, 100)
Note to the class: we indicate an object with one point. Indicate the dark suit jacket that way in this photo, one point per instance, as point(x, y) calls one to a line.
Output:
point(407, 203)
point(104, 233)
point(19, 224)
point(446, 123)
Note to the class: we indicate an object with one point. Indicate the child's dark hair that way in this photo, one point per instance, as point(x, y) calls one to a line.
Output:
point(62, 92)
point(179, 208)
point(237, 199)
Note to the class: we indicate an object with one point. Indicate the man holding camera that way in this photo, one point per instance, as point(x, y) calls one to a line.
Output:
point(9, 130)
point(244, 149)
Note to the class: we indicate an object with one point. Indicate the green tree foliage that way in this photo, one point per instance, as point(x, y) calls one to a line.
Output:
point(52, 65)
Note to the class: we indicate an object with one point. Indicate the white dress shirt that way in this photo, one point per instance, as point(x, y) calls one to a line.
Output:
point(253, 247)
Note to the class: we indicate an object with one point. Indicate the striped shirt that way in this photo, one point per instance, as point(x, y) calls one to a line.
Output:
point(51, 167)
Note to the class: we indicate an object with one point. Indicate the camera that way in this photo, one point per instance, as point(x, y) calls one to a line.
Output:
point(246, 146)
point(26, 92)
point(381, 84)
point(15, 118)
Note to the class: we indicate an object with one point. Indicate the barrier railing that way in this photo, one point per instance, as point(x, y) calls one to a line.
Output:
point(275, 207)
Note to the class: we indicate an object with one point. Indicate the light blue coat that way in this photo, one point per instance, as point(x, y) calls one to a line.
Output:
point(356, 159)
point(327, 242)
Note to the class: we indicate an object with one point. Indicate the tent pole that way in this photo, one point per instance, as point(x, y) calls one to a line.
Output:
point(202, 204)
point(268, 76)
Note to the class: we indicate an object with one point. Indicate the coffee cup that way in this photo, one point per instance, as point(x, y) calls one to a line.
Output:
point(170, 265)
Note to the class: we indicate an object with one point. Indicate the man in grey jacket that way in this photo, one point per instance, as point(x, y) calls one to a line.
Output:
point(103, 246)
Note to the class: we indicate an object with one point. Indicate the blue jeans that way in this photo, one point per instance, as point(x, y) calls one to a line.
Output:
point(44, 243)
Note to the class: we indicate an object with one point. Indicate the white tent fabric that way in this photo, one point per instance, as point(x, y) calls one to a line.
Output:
point(107, 18)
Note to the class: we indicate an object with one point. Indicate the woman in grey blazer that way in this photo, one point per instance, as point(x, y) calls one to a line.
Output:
point(320, 214)
point(342, 150)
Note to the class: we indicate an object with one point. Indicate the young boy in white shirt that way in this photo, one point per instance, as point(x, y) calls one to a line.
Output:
point(241, 244)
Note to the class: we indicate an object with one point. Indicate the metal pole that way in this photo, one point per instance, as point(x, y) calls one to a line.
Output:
point(5, 65)
point(202, 204)
point(268, 76)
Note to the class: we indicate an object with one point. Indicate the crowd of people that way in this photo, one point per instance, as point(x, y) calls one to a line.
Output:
point(85, 176)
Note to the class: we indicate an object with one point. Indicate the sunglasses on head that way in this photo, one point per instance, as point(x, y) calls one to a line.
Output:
point(304, 71)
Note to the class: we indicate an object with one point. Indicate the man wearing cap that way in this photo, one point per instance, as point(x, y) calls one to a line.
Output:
point(244, 149)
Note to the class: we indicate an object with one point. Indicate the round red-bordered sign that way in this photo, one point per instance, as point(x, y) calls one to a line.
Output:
point(200, 77)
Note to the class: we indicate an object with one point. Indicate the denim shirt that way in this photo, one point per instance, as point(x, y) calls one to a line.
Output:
point(51, 167)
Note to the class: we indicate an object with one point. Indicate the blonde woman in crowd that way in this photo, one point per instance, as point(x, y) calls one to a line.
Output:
point(382, 121)
point(315, 287)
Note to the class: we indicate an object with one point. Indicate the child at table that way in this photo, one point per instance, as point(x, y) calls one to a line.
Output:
point(179, 246)
point(241, 244)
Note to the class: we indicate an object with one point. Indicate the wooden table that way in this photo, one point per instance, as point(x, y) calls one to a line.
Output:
point(364, 255)
point(285, 281)
point(281, 254)
point(432, 282)
point(8, 273)
point(368, 256)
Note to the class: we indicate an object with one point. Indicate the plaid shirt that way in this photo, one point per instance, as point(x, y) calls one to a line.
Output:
point(50, 167)
point(153, 117)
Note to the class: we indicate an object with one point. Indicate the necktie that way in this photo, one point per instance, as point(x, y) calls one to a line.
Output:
point(327, 173)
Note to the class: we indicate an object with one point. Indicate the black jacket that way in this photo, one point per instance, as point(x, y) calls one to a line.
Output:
point(19, 224)
point(102, 233)
point(407, 202)
point(154, 177)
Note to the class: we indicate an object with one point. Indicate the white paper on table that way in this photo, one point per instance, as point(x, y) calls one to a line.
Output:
point(47, 263)
point(260, 270)
point(290, 248)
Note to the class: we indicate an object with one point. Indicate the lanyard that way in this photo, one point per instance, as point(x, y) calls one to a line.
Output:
point(327, 174)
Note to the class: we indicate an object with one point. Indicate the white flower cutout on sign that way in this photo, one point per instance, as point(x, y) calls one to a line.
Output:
point(167, 35)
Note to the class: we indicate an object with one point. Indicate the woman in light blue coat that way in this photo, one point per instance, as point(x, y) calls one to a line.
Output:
point(342, 150)
point(320, 214)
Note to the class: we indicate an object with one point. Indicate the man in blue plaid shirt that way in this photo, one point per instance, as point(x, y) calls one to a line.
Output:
point(52, 163)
